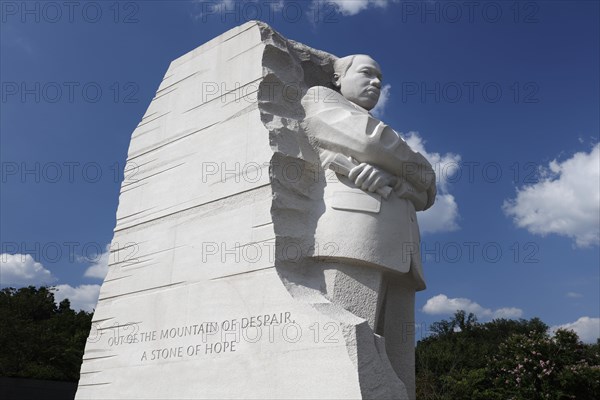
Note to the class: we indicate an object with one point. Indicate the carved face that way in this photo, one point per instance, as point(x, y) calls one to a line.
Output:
point(361, 84)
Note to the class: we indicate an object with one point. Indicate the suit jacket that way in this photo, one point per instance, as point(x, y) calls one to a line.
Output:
point(363, 227)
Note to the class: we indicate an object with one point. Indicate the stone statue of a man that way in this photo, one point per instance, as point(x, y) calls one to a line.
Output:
point(375, 184)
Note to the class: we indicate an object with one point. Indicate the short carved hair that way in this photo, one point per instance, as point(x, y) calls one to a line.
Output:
point(341, 65)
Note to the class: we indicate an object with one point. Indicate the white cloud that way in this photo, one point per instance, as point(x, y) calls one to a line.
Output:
point(22, 270)
point(442, 305)
point(566, 201)
point(82, 297)
point(100, 266)
point(588, 329)
point(574, 295)
point(507, 313)
point(383, 98)
point(353, 7)
point(445, 166)
point(443, 216)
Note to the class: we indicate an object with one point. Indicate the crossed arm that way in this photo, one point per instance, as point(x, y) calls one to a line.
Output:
point(335, 126)
point(371, 178)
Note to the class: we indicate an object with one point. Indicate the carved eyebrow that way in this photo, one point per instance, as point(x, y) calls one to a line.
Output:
point(370, 69)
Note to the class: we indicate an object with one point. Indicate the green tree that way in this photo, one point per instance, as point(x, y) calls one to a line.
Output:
point(39, 339)
point(504, 359)
point(536, 366)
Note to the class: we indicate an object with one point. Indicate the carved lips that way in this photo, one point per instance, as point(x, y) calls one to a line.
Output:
point(372, 91)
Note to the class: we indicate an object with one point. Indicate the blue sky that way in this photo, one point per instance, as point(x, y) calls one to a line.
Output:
point(501, 96)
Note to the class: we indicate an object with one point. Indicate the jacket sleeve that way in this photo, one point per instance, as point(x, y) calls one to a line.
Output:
point(333, 123)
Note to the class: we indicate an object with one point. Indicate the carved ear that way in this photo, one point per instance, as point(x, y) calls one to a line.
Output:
point(336, 80)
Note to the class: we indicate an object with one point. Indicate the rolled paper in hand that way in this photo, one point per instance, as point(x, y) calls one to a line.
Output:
point(342, 165)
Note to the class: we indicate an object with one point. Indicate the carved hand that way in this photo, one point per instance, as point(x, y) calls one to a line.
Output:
point(370, 178)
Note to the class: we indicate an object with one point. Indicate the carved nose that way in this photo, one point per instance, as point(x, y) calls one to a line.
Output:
point(376, 82)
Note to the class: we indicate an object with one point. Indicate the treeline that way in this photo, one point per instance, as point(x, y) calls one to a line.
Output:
point(39, 339)
point(461, 359)
point(505, 359)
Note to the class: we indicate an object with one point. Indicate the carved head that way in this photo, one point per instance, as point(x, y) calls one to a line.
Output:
point(358, 78)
